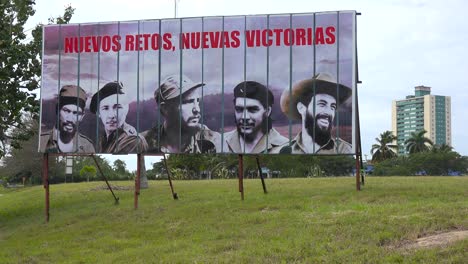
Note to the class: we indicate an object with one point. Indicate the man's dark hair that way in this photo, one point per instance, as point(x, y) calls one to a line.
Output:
point(254, 90)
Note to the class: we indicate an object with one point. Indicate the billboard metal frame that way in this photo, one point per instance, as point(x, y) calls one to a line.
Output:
point(140, 156)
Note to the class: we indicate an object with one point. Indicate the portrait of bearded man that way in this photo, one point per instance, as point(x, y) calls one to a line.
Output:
point(315, 101)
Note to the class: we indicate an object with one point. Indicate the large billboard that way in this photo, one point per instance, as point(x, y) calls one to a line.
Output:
point(280, 83)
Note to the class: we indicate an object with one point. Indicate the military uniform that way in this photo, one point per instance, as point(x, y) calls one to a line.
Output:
point(274, 138)
point(123, 140)
point(203, 141)
point(334, 146)
point(49, 143)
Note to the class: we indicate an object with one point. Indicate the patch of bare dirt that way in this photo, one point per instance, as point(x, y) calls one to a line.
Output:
point(114, 188)
point(268, 209)
point(437, 240)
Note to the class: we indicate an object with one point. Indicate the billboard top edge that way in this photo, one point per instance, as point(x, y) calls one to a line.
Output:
point(182, 18)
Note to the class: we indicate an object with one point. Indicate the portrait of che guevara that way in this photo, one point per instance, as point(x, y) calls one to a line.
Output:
point(254, 132)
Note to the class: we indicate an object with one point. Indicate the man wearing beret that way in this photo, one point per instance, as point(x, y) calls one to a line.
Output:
point(254, 133)
point(178, 99)
point(110, 104)
point(64, 137)
point(315, 101)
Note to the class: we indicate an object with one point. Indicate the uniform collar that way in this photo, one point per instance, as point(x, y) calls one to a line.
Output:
point(232, 139)
point(273, 137)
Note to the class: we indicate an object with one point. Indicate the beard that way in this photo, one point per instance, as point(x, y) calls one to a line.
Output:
point(191, 129)
point(320, 135)
point(66, 134)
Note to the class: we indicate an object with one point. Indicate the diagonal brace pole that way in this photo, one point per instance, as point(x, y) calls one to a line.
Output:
point(261, 175)
point(174, 194)
point(105, 179)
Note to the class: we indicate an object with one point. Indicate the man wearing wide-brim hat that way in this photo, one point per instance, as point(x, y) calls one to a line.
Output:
point(178, 99)
point(314, 101)
point(111, 105)
point(64, 137)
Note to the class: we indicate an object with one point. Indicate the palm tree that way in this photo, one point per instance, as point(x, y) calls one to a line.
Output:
point(385, 149)
point(418, 142)
point(443, 148)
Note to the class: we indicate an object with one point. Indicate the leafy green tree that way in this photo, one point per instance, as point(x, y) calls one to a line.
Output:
point(429, 162)
point(120, 169)
point(385, 149)
point(439, 163)
point(106, 168)
point(120, 166)
point(83, 161)
point(397, 166)
point(88, 171)
point(157, 171)
point(188, 164)
point(336, 165)
point(20, 70)
point(418, 142)
point(179, 174)
point(218, 165)
point(25, 161)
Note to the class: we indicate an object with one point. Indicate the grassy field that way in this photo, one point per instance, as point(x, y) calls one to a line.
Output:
point(298, 221)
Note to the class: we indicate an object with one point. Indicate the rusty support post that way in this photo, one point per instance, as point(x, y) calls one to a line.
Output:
point(261, 175)
point(45, 182)
point(174, 194)
point(241, 176)
point(137, 181)
point(105, 179)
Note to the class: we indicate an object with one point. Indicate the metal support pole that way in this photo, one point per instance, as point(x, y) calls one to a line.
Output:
point(358, 172)
point(137, 180)
point(358, 148)
point(241, 175)
point(105, 179)
point(261, 175)
point(174, 194)
point(45, 182)
point(358, 151)
point(359, 145)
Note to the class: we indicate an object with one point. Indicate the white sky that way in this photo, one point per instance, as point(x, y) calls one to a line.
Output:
point(401, 44)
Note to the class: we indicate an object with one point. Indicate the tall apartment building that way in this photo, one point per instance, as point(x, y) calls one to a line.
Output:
point(422, 111)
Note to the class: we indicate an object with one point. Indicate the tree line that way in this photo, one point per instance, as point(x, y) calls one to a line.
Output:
point(422, 157)
point(223, 166)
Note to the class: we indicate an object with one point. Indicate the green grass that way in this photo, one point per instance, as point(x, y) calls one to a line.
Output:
point(299, 220)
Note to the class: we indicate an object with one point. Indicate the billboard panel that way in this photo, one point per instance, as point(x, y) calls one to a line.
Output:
point(269, 84)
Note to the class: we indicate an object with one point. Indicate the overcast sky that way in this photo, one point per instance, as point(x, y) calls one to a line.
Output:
point(401, 44)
